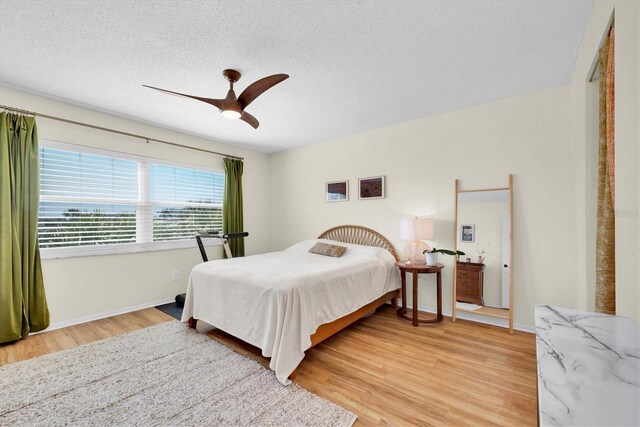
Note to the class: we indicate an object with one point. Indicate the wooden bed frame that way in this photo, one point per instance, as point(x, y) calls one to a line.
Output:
point(361, 236)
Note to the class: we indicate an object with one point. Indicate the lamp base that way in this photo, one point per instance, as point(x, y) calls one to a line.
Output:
point(414, 251)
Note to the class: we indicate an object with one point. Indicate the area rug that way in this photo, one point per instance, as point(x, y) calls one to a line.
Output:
point(159, 376)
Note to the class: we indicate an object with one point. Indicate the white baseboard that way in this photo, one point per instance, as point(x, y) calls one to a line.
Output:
point(462, 315)
point(466, 315)
point(103, 315)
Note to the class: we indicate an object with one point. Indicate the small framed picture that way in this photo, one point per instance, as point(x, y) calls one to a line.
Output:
point(371, 188)
point(337, 191)
point(468, 233)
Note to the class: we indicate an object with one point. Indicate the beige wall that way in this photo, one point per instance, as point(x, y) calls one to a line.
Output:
point(81, 287)
point(627, 131)
point(526, 135)
point(542, 138)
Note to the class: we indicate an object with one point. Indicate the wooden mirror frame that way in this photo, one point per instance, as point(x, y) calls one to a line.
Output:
point(485, 311)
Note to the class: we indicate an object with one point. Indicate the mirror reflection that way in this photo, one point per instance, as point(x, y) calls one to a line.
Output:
point(483, 235)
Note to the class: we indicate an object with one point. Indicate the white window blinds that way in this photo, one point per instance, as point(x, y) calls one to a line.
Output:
point(184, 201)
point(100, 198)
point(86, 199)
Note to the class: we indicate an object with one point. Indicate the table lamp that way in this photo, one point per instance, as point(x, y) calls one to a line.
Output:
point(416, 230)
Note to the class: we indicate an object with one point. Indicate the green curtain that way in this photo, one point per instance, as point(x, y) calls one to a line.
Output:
point(23, 305)
point(232, 217)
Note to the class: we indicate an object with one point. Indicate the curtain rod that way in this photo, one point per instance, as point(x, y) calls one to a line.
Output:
point(119, 132)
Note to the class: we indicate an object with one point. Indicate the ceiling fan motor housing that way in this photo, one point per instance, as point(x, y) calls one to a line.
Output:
point(232, 109)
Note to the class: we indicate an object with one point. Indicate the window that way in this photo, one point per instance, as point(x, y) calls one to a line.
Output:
point(86, 199)
point(184, 200)
point(94, 201)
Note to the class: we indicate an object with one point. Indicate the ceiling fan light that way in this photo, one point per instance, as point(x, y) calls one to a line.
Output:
point(231, 114)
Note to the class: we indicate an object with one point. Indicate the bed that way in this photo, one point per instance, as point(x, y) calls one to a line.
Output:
point(286, 302)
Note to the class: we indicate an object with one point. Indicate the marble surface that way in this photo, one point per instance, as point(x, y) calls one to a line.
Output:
point(588, 368)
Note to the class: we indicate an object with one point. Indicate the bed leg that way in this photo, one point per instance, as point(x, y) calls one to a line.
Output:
point(193, 323)
point(293, 375)
point(394, 303)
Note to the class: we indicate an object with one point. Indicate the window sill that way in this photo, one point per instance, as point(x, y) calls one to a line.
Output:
point(131, 248)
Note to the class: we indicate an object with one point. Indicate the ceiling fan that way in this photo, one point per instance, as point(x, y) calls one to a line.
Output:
point(233, 107)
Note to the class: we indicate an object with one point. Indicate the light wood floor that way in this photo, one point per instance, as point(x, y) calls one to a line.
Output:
point(73, 336)
point(381, 368)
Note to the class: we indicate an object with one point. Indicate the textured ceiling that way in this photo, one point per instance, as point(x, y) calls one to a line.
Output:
point(354, 65)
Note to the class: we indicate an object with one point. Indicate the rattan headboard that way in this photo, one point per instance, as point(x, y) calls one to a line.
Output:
point(360, 236)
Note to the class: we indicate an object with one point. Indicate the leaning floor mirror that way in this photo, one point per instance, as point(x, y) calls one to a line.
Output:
point(483, 278)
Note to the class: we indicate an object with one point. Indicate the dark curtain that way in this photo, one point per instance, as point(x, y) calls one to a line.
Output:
point(232, 217)
point(23, 304)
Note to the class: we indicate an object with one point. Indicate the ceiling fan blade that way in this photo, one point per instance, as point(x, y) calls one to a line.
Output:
point(250, 119)
point(220, 103)
point(258, 87)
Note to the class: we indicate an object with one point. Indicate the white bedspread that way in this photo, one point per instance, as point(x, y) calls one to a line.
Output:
point(276, 301)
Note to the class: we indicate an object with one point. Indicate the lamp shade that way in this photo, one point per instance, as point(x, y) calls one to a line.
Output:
point(424, 229)
point(407, 229)
point(417, 229)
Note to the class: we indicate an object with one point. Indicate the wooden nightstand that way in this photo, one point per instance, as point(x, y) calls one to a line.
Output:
point(419, 269)
point(469, 280)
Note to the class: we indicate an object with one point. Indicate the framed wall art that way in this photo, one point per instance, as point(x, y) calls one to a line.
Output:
point(371, 188)
point(337, 191)
point(467, 233)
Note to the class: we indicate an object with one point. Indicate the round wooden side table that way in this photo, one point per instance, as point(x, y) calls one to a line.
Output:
point(419, 269)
